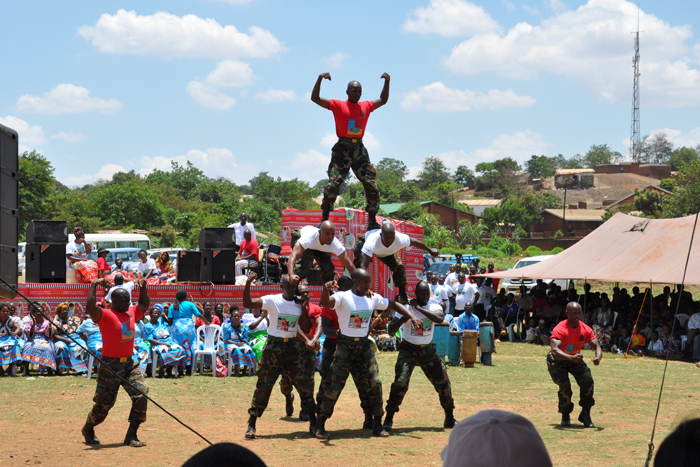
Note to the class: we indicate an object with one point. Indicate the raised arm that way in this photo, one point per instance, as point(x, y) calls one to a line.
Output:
point(419, 244)
point(346, 262)
point(93, 310)
point(316, 98)
point(144, 299)
point(249, 303)
point(297, 251)
point(384, 96)
point(434, 316)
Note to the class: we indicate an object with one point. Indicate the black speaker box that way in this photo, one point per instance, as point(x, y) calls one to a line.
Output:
point(217, 238)
point(9, 210)
point(45, 263)
point(223, 269)
point(47, 232)
point(189, 266)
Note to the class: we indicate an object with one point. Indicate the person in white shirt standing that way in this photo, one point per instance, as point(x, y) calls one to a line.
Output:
point(281, 353)
point(309, 243)
point(466, 295)
point(437, 293)
point(486, 293)
point(241, 227)
point(354, 354)
point(417, 348)
point(385, 243)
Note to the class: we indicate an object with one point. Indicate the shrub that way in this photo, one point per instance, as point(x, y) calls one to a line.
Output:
point(498, 243)
point(557, 250)
point(489, 252)
point(532, 250)
point(514, 249)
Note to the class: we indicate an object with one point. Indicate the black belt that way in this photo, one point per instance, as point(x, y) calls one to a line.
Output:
point(416, 346)
point(351, 339)
point(284, 339)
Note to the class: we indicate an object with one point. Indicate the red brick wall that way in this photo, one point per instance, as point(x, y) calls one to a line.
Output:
point(448, 216)
point(551, 223)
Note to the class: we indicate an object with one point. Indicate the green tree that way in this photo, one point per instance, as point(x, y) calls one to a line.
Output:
point(36, 185)
point(542, 166)
point(463, 175)
point(410, 211)
point(656, 149)
point(391, 170)
point(685, 199)
point(280, 194)
point(649, 202)
point(497, 175)
point(185, 178)
point(669, 184)
point(601, 154)
point(434, 172)
point(681, 156)
point(470, 234)
point(123, 177)
point(130, 203)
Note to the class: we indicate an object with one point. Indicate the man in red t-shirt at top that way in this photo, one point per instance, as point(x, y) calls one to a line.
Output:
point(247, 253)
point(329, 320)
point(349, 153)
point(118, 327)
point(568, 338)
point(103, 268)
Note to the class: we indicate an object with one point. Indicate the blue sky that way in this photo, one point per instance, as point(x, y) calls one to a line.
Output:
point(226, 84)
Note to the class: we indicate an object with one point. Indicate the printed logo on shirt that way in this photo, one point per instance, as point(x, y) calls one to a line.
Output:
point(352, 129)
point(426, 330)
point(287, 323)
point(569, 348)
point(127, 331)
point(360, 319)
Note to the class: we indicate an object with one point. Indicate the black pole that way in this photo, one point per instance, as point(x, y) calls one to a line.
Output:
point(563, 227)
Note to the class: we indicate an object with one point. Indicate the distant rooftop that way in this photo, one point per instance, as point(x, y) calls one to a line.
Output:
point(481, 202)
point(574, 171)
point(578, 214)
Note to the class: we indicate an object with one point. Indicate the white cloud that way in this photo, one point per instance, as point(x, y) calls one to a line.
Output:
point(70, 137)
point(369, 140)
point(531, 10)
point(207, 96)
point(28, 135)
point(236, 2)
point(556, 5)
point(67, 98)
point(509, 6)
point(310, 166)
point(436, 97)
point(592, 47)
point(231, 74)
point(105, 173)
point(520, 146)
point(166, 35)
point(276, 95)
point(336, 60)
point(678, 138)
point(450, 18)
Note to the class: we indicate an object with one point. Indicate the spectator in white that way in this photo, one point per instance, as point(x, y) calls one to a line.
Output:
point(655, 344)
point(147, 267)
point(495, 437)
point(241, 227)
point(693, 336)
point(256, 319)
point(385, 243)
point(445, 287)
point(247, 253)
point(78, 249)
point(310, 243)
point(450, 282)
point(486, 293)
point(524, 300)
point(437, 293)
point(120, 284)
point(466, 295)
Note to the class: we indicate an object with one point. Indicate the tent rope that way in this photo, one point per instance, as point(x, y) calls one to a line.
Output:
point(637, 322)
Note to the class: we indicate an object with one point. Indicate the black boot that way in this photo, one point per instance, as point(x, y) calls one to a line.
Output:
point(131, 439)
point(565, 419)
point(449, 419)
point(250, 432)
point(378, 428)
point(369, 422)
point(321, 432)
point(89, 434)
point(312, 424)
point(325, 215)
point(388, 421)
point(303, 416)
point(372, 223)
point(585, 418)
point(290, 404)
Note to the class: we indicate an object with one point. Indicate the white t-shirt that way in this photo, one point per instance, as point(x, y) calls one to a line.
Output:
point(248, 318)
point(464, 293)
point(451, 279)
point(420, 336)
point(240, 230)
point(437, 294)
point(145, 268)
point(283, 316)
point(486, 293)
point(128, 286)
point(374, 246)
point(447, 289)
point(77, 250)
point(310, 238)
point(355, 312)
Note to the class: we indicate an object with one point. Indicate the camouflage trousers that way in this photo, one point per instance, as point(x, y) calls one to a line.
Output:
point(559, 371)
point(108, 388)
point(347, 155)
point(393, 262)
point(308, 359)
point(353, 356)
point(329, 347)
point(432, 365)
point(307, 260)
point(280, 357)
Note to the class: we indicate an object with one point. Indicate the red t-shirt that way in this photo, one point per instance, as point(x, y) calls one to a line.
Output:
point(118, 331)
point(214, 320)
point(330, 314)
point(572, 339)
point(314, 312)
point(350, 119)
point(249, 248)
point(102, 265)
point(538, 305)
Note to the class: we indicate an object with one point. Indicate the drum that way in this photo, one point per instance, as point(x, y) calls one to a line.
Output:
point(441, 338)
point(486, 339)
point(469, 348)
point(273, 252)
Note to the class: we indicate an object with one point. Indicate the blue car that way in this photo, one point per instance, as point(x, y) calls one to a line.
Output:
point(443, 267)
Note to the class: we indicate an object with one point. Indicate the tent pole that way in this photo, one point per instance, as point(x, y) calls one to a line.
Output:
point(651, 308)
point(585, 295)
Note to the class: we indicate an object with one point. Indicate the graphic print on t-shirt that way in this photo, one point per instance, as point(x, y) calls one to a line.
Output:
point(426, 330)
point(287, 323)
point(127, 331)
point(359, 319)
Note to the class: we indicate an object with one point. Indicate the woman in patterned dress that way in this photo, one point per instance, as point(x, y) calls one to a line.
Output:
point(236, 338)
point(159, 336)
point(10, 350)
point(65, 347)
point(39, 346)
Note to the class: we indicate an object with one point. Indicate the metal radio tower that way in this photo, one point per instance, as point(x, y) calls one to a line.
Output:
point(635, 137)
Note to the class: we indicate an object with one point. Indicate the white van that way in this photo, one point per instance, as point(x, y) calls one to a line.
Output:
point(514, 284)
point(108, 241)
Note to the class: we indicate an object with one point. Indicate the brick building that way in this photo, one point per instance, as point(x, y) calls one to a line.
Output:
point(658, 171)
point(579, 222)
point(631, 198)
point(449, 217)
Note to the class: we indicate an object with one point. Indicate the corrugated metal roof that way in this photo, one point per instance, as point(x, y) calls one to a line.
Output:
point(482, 202)
point(574, 171)
point(578, 214)
point(393, 207)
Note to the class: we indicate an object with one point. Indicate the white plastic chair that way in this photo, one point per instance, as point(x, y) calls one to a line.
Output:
point(154, 363)
point(511, 326)
point(615, 320)
point(91, 364)
point(682, 319)
point(208, 335)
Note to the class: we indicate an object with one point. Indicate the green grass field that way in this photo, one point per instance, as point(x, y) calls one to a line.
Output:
point(42, 418)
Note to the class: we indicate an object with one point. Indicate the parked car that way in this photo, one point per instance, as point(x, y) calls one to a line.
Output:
point(514, 284)
point(153, 253)
point(126, 254)
point(443, 267)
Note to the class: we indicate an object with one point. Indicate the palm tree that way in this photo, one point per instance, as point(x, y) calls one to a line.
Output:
point(470, 234)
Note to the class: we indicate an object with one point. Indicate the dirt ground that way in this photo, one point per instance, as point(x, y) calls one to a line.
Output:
point(42, 418)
